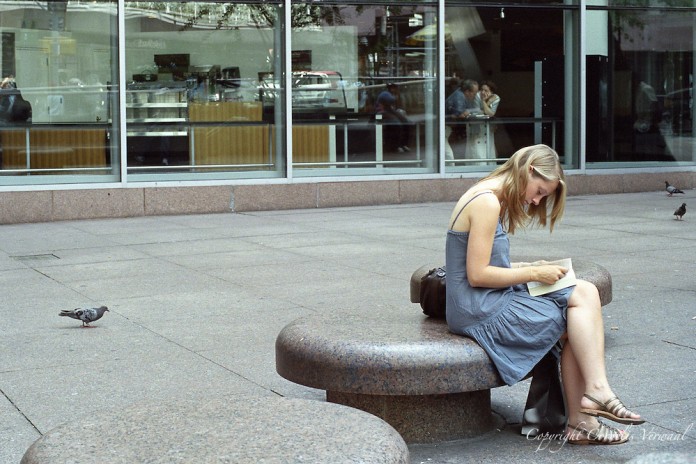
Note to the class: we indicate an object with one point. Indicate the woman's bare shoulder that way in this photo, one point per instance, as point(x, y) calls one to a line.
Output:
point(482, 195)
point(474, 203)
point(485, 203)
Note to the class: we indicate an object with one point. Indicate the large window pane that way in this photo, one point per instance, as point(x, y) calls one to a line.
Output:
point(650, 87)
point(343, 57)
point(525, 55)
point(58, 103)
point(203, 90)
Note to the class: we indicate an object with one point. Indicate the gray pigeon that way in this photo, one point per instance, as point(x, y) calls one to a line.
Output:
point(671, 189)
point(86, 315)
point(681, 211)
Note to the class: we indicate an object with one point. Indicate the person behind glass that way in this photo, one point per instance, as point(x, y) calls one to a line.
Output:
point(488, 301)
point(397, 125)
point(478, 134)
point(13, 107)
point(459, 105)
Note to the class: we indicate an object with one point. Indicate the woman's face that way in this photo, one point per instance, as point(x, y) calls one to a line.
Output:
point(537, 188)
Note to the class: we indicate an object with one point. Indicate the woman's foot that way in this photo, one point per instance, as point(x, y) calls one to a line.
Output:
point(612, 409)
point(597, 434)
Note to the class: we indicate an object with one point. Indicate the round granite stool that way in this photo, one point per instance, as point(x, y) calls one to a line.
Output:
point(401, 366)
point(236, 430)
point(409, 370)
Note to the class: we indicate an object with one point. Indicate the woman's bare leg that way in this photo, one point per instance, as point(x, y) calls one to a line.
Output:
point(580, 426)
point(586, 340)
point(573, 383)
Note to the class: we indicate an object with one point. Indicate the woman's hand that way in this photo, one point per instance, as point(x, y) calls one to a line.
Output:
point(547, 273)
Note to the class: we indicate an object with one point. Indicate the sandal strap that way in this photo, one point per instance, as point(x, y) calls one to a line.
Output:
point(615, 409)
point(594, 400)
point(604, 433)
point(616, 432)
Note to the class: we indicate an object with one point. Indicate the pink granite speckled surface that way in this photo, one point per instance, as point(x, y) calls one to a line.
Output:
point(269, 430)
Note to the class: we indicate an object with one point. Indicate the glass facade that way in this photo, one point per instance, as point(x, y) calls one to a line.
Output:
point(344, 56)
point(59, 102)
point(114, 91)
point(646, 110)
point(203, 90)
point(527, 56)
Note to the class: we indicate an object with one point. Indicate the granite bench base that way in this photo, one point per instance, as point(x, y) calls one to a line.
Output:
point(401, 366)
point(270, 430)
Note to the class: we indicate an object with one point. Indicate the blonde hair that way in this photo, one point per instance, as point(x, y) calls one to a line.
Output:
point(543, 162)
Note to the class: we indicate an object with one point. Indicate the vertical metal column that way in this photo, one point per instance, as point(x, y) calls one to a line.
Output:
point(332, 141)
point(379, 154)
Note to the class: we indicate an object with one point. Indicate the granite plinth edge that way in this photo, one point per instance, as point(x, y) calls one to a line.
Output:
point(241, 429)
point(382, 354)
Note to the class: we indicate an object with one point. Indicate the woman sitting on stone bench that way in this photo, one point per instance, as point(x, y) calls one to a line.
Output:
point(488, 301)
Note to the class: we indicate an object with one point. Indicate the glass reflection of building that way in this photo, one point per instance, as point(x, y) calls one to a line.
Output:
point(128, 92)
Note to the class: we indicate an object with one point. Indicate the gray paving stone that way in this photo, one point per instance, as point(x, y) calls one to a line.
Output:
point(155, 344)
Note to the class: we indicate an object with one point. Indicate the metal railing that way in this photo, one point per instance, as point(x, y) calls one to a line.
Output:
point(335, 156)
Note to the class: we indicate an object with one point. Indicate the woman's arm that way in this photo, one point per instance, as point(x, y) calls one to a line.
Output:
point(482, 215)
point(490, 105)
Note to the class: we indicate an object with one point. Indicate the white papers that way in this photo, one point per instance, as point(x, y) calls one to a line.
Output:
point(537, 288)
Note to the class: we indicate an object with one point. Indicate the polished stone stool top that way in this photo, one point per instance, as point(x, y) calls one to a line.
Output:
point(392, 353)
point(234, 430)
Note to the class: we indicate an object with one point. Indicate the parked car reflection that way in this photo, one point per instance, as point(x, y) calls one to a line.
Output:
point(318, 89)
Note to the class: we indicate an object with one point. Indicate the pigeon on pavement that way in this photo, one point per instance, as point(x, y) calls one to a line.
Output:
point(681, 211)
point(86, 315)
point(671, 189)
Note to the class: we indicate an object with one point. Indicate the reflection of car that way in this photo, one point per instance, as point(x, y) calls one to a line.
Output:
point(679, 106)
point(75, 102)
point(318, 90)
point(241, 90)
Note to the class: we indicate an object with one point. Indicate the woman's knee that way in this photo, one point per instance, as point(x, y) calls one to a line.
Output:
point(585, 293)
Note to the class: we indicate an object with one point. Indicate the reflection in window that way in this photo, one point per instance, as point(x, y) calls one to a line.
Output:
point(58, 94)
point(347, 120)
point(650, 95)
point(202, 92)
point(518, 57)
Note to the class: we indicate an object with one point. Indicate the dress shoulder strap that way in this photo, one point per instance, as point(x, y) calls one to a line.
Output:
point(482, 192)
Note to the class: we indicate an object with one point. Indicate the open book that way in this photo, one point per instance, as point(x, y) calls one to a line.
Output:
point(537, 288)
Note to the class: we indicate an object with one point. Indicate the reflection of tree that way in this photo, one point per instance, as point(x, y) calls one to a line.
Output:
point(57, 11)
point(627, 15)
point(230, 15)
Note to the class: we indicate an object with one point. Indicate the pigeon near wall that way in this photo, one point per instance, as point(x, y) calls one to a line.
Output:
point(671, 189)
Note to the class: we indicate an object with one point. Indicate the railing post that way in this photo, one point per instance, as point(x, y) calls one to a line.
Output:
point(379, 154)
point(27, 139)
point(332, 141)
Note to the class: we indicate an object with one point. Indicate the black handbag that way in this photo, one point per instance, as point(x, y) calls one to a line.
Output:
point(433, 294)
point(13, 107)
point(545, 410)
point(21, 110)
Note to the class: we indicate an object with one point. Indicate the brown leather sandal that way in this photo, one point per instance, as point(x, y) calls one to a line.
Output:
point(602, 435)
point(610, 410)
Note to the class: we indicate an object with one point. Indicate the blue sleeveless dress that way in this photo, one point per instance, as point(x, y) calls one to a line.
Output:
point(513, 327)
